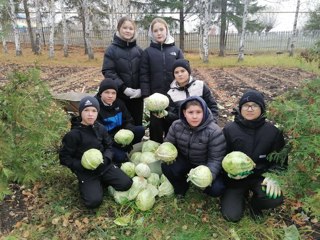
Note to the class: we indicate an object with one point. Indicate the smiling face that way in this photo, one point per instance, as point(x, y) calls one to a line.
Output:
point(159, 31)
point(89, 115)
point(193, 115)
point(181, 75)
point(126, 30)
point(108, 96)
point(250, 111)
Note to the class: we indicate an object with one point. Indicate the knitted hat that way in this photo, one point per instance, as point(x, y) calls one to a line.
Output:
point(253, 96)
point(107, 83)
point(88, 102)
point(181, 63)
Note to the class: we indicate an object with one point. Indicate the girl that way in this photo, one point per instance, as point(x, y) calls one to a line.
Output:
point(122, 63)
point(156, 68)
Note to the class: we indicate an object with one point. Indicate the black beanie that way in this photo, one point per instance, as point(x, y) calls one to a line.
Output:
point(181, 63)
point(107, 83)
point(88, 102)
point(253, 96)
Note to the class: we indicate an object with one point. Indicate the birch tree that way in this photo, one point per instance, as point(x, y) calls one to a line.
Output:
point(64, 29)
point(294, 31)
point(205, 16)
point(52, 25)
point(28, 20)
point(5, 24)
point(13, 17)
point(223, 28)
point(243, 33)
point(86, 10)
point(38, 27)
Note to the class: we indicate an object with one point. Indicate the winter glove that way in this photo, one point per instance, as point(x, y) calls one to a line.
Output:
point(271, 187)
point(160, 114)
point(137, 93)
point(129, 92)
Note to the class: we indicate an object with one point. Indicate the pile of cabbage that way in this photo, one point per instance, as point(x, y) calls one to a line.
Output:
point(144, 168)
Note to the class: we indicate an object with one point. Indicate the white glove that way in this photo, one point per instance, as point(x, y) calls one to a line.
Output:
point(129, 92)
point(137, 93)
point(160, 114)
point(271, 187)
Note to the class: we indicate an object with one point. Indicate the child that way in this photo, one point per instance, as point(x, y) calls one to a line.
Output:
point(184, 86)
point(156, 68)
point(86, 134)
point(252, 135)
point(122, 63)
point(199, 141)
point(114, 116)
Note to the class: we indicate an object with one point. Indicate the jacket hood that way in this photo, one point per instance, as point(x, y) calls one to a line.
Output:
point(207, 114)
point(169, 39)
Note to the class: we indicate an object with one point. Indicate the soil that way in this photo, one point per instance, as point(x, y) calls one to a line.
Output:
point(227, 84)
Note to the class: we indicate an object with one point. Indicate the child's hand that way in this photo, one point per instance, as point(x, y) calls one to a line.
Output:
point(129, 92)
point(137, 93)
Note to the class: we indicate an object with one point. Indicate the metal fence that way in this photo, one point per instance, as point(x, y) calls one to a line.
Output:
point(273, 41)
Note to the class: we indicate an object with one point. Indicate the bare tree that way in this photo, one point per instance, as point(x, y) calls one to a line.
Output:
point(15, 28)
point(294, 31)
point(64, 29)
point(205, 17)
point(38, 27)
point(268, 19)
point(223, 28)
point(28, 20)
point(243, 33)
point(52, 25)
point(86, 11)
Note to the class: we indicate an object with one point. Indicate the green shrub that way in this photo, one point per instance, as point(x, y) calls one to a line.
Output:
point(299, 113)
point(31, 125)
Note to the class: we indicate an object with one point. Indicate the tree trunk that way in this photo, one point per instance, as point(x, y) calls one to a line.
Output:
point(15, 28)
point(38, 28)
point(243, 33)
point(26, 11)
point(52, 23)
point(181, 19)
point(86, 11)
point(294, 32)
point(64, 29)
point(206, 31)
point(223, 28)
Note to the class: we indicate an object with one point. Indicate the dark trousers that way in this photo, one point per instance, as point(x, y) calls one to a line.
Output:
point(91, 190)
point(158, 128)
point(120, 154)
point(135, 107)
point(177, 175)
point(234, 198)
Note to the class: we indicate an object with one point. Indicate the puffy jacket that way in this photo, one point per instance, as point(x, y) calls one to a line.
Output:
point(195, 87)
point(122, 63)
point(156, 66)
point(202, 145)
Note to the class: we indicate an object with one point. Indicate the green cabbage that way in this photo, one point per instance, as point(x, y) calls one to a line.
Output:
point(124, 137)
point(139, 183)
point(200, 176)
point(91, 159)
point(166, 152)
point(135, 157)
point(143, 170)
point(150, 146)
point(128, 168)
point(165, 188)
point(121, 197)
point(237, 163)
point(156, 102)
point(154, 179)
point(145, 200)
point(147, 157)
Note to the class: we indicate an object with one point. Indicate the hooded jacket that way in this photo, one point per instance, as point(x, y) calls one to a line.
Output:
point(257, 139)
point(80, 139)
point(156, 65)
point(195, 87)
point(122, 64)
point(202, 145)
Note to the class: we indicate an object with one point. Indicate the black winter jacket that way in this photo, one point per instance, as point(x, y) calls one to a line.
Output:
point(156, 67)
point(80, 139)
point(121, 62)
point(203, 145)
point(256, 138)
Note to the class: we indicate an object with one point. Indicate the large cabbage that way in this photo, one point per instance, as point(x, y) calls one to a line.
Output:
point(166, 152)
point(135, 157)
point(156, 102)
point(128, 168)
point(200, 176)
point(91, 159)
point(138, 184)
point(145, 200)
point(165, 188)
point(124, 137)
point(150, 146)
point(238, 163)
point(143, 170)
point(154, 179)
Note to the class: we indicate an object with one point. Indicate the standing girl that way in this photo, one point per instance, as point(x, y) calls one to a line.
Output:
point(122, 63)
point(156, 68)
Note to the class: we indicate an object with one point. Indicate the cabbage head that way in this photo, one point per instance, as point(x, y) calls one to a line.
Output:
point(124, 137)
point(128, 168)
point(165, 188)
point(147, 157)
point(156, 102)
point(121, 197)
point(143, 170)
point(150, 146)
point(91, 159)
point(166, 152)
point(200, 176)
point(139, 183)
point(238, 163)
point(135, 157)
point(145, 200)
point(154, 179)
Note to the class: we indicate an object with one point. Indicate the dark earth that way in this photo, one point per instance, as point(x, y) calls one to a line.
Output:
point(227, 84)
